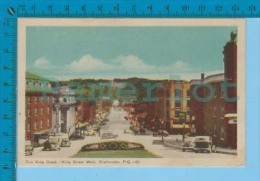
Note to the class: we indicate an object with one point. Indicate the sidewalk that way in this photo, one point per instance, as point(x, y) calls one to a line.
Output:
point(170, 142)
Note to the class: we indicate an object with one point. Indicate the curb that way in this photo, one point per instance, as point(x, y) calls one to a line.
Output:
point(217, 151)
point(170, 145)
point(226, 152)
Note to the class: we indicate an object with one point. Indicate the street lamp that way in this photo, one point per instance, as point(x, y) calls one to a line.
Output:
point(162, 123)
point(193, 129)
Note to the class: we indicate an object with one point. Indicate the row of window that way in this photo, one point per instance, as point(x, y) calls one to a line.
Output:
point(179, 114)
point(37, 84)
point(177, 93)
point(222, 111)
point(177, 103)
point(39, 99)
point(38, 124)
point(41, 111)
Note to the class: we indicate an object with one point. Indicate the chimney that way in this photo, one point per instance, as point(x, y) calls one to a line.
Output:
point(202, 76)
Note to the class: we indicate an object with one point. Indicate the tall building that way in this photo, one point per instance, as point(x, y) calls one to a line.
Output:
point(212, 102)
point(64, 115)
point(173, 106)
point(39, 106)
point(230, 72)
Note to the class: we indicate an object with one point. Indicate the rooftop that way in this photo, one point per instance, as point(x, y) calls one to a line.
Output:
point(33, 76)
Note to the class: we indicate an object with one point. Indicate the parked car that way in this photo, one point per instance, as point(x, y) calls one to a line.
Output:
point(65, 142)
point(90, 132)
point(203, 144)
point(189, 144)
point(160, 133)
point(128, 131)
point(108, 136)
point(102, 124)
point(140, 131)
point(77, 136)
point(28, 149)
point(52, 143)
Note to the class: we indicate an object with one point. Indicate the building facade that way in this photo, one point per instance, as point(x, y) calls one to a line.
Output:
point(212, 102)
point(173, 106)
point(39, 108)
point(64, 117)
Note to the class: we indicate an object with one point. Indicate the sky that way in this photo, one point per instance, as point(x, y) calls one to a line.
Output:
point(63, 53)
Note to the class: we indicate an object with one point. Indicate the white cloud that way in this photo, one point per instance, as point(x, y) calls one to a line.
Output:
point(86, 62)
point(42, 63)
point(123, 66)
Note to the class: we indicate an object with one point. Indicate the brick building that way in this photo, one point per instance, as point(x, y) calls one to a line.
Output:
point(212, 103)
point(39, 108)
point(85, 111)
point(173, 106)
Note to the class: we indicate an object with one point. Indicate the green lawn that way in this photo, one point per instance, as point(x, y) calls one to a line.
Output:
point(116, 154)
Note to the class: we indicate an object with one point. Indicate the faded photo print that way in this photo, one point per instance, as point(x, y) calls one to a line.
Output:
point(131, 92)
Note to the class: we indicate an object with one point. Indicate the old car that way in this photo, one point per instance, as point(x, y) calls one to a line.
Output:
point(90, 132)
point(52, 143)
point(188, 144)
point(28, 149)
point(160, 133)
point(76, 136)
point(108, 135)
point(128, 131)
point(203, 144)
point(65, 142)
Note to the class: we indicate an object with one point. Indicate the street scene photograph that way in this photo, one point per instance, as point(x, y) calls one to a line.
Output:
point(132, 91)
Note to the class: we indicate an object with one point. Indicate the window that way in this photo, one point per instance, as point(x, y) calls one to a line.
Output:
point(177, 93)
point(167, 103)
point(48, 110)
point(29, 127)
point(167, 93)
point(168, 114)
point(41, 111)
point(27, 84)
point(35, 111)
point(222, 112)
point(48, 122)
point(41, 123)
point(177, 103)
point(222, 93)
point(215, 130)
point(222, 134)
point(188, 113)
point(215, 91)
point(188, 103)
point(28, 112)
point(35, 125)
point(215, 111)
point(29, 100)
point(188, 92)
point(177, 113)
point(35, 99)
point(64, 100)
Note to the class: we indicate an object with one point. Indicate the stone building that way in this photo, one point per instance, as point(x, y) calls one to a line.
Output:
point(64, 111)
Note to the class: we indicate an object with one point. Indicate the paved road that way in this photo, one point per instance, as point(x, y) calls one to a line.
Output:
point(116, 125)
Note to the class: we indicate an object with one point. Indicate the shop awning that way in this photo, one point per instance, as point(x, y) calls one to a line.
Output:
point(179, 126)
point(231, 115)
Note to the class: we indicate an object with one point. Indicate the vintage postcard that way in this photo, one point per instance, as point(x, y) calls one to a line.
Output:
point(131, 92)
